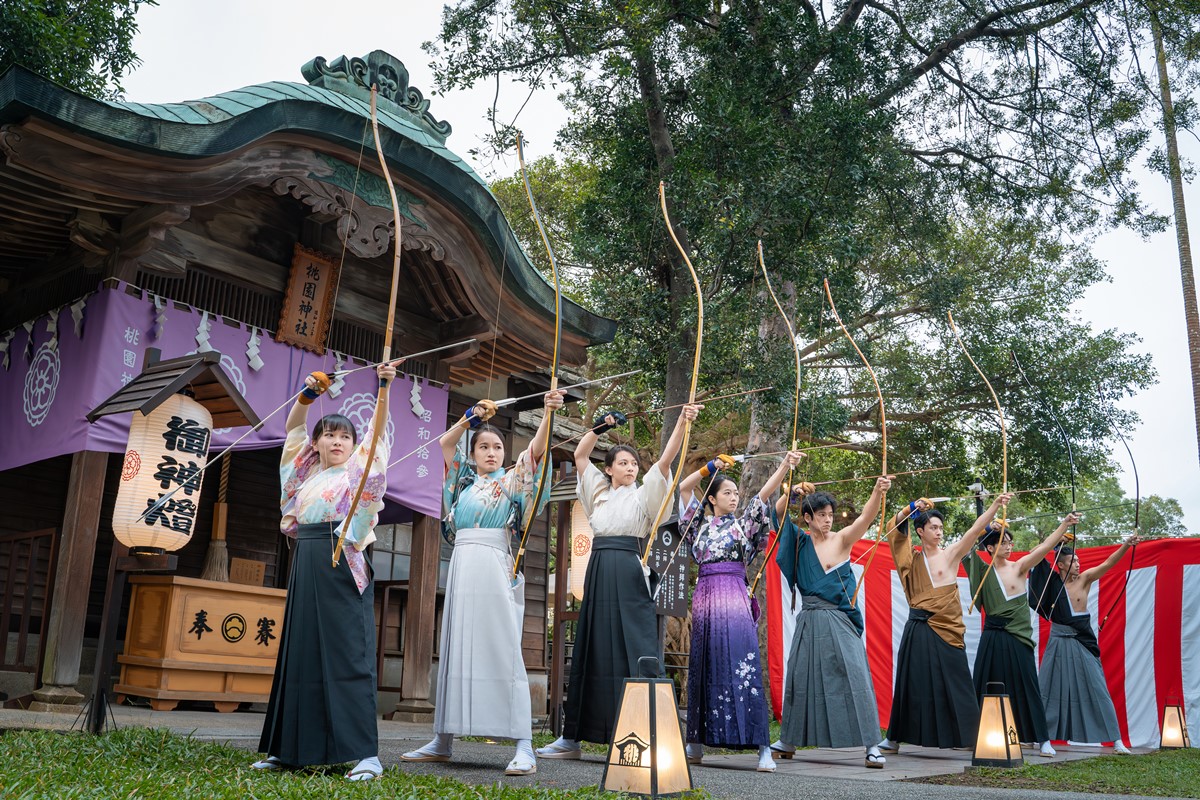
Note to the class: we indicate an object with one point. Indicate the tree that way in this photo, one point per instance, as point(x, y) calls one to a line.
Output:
point(85, 45)
point(862, 142)
point(1174, 173)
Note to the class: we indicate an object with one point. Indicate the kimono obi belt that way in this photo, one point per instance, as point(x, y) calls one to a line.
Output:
point(995, 623)
point(495, 538)
point(814, 603)
point(723, 568)
point(319, 530)
point(629, 543)
point(1060, 630)
point(919, 615)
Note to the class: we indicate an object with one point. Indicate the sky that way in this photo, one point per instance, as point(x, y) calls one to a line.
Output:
point(195, 48)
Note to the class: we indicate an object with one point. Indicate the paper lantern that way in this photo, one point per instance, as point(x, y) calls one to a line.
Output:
point(160, 478)
point(1174, 728)
point(997, 744)
point(581, 549)
point(646, 756)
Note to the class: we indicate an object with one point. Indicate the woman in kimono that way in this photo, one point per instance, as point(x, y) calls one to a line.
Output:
point(322, 704)
point(1074, 690)
point(1005, 652)
point(828, 699)
point(482, 687)
point(617, 624)
point(726, 703)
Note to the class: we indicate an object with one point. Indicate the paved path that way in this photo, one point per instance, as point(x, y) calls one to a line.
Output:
point(812, 774)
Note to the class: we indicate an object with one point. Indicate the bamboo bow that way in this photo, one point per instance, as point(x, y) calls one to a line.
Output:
point(381, 401)
point(547, 459)
point(795, 403)
point(883, 432)
point(687, 425)
point(1003, 446)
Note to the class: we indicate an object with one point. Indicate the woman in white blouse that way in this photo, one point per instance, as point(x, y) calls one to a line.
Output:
point(617, 623)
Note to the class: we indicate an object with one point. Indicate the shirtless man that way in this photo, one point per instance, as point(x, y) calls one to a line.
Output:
point(933, 700)
point(1005, 652)
point(1073, 688)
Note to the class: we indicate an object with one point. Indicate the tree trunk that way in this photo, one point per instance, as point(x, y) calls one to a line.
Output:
point(1191, 315)
point(679, 286)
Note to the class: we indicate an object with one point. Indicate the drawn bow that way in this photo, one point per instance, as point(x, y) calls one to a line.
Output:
point(787, 488)
point(381, 401)
point(1003, 446)
point(687, 425)
point(544, 478)
point(883, 433)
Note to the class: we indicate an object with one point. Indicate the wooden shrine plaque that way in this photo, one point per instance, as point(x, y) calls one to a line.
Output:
point(308, 303)
point(247, 571)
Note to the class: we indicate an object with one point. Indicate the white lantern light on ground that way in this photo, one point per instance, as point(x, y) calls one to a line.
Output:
point(581, 549)
point(159, 492)
point(646, 757)
point(1173, 729)
point(997, 744)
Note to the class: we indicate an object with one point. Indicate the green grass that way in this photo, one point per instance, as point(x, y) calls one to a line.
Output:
point(148, 763)
point(1164, 773)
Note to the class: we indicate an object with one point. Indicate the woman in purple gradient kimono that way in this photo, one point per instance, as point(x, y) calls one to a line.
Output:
point(726, 703)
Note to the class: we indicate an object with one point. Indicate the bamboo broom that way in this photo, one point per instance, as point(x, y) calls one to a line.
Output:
point(216, 560)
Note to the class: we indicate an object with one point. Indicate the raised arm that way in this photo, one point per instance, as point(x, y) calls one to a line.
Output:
point(855, 530)
point(776, 480)
point(602, 424)
point(551, 403)
point(314, 386)
point(687, 414)
point(1095, 573)
point(966, 543)
point(1039, 553)
point(473, 417)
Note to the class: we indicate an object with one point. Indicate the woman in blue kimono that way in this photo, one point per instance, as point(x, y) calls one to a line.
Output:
point(828, 699)
point(482, 687)
point(726, 703)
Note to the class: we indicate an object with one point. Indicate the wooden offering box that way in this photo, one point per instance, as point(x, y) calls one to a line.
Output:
point(189, 639)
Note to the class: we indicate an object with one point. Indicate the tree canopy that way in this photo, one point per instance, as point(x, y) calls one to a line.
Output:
point(85, 45)
point(924, 157)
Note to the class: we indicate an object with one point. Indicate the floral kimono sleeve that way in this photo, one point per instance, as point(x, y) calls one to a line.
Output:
point(457, 470)
point(362, 527)
point(689, 525)
point(298, 461)
point(756, 523)
point(521, 483)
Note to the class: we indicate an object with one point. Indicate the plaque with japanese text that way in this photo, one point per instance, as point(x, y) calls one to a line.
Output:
point(308, 303)
point(672, 600)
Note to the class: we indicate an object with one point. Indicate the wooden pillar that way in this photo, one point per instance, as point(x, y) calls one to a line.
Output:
point(562, 561)
point(425, 560)
point(72, 582)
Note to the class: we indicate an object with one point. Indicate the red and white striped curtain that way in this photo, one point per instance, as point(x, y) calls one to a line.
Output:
point(1150, 644)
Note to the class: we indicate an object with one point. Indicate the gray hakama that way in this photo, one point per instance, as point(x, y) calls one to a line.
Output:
point(828, 699)
point(482, 686)
point(322, 705)
point(1078, 705)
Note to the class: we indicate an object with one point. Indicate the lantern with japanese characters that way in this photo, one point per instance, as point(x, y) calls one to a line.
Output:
point(160, 477)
